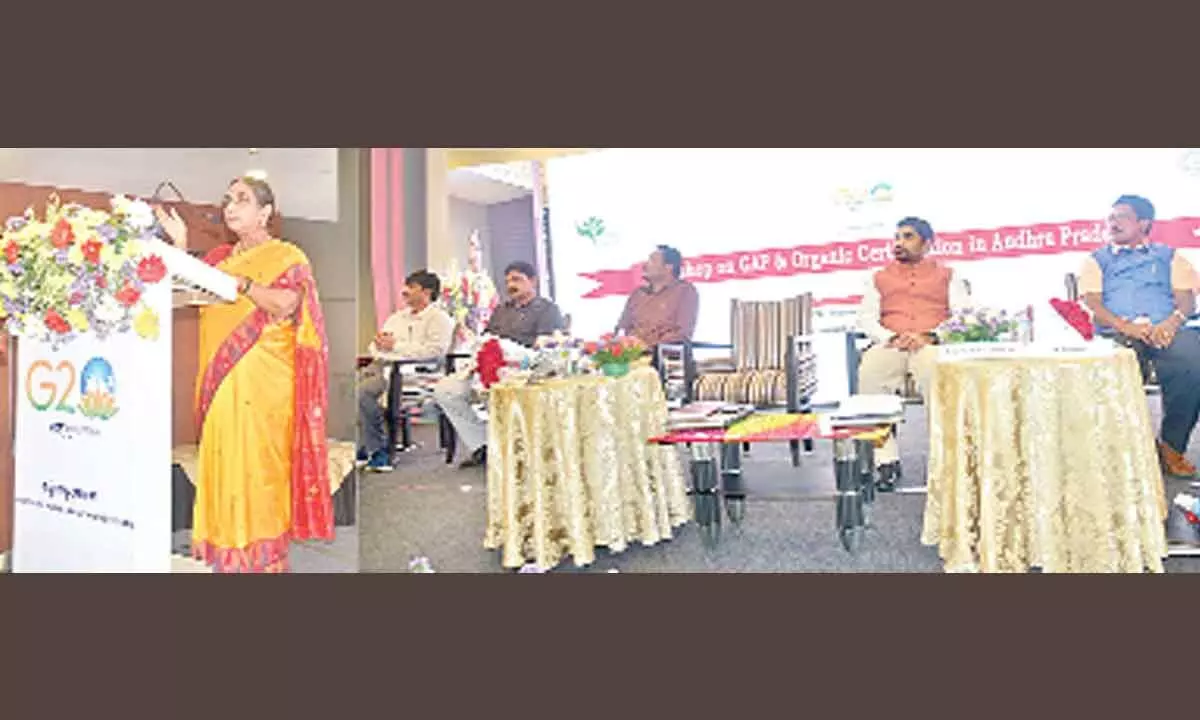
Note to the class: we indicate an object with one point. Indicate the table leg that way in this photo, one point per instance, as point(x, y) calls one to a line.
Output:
point(866, 477)
point(732, 487)
point(849, 497)
point(706, 491)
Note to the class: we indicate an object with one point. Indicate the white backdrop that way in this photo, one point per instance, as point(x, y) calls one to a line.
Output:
point(722, 200)
point(94, 494)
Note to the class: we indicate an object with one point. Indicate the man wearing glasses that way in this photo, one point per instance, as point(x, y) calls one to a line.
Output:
point(1141, 294)
point(903, 307)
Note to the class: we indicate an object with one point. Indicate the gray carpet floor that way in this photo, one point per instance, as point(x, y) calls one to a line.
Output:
point(427, 509)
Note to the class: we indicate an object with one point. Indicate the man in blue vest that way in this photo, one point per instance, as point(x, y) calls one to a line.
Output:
point(1141, 294)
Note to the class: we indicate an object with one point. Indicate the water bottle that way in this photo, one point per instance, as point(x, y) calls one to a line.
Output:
point(421, 566)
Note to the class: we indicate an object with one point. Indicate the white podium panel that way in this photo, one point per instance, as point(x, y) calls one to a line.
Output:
point(93, 452)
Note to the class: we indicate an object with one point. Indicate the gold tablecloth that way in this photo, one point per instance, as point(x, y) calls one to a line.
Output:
point(1045, 463)
point(570, 470)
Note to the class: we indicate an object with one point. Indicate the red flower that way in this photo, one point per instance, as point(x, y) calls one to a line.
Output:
point(128, 295)
point(151, 269)
point(489, 361)
point(55, 322)
point(101, 282)
point(62, 236)
point(75, 298)
point(591, 348)
point(11, 252)
point(91, 251)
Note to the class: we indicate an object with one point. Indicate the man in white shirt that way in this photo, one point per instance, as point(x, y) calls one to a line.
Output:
point(422, 332)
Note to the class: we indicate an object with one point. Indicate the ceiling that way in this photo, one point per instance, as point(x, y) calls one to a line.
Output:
point(468, 157)
point(481, 189)
point(304, 179)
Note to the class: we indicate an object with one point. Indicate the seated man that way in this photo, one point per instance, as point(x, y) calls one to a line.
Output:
point(423, 331)
point(1141, 294)
point(523, 318)
point(904, 305)
point(665, 309)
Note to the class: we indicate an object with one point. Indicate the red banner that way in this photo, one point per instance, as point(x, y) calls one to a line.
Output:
point(972, 245)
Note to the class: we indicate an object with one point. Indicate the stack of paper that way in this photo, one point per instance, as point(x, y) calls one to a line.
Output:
point(868, 409)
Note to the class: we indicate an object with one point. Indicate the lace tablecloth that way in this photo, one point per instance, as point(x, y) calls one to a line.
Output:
point(1045, 463)
point(570, 469)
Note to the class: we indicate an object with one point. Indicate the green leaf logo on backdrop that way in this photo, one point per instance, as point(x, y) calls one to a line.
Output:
point(596, 231)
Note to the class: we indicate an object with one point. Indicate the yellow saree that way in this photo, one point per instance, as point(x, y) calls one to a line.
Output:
point(261, 399)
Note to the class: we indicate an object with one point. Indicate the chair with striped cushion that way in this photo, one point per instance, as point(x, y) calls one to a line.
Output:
point(769, 365)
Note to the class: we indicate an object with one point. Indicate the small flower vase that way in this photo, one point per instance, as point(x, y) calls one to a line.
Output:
point(615, 369)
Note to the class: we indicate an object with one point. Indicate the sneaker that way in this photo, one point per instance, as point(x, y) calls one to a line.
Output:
point(380, 463)
point(362, 458)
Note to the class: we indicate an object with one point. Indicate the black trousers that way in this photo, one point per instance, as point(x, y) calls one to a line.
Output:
point(1178, 369)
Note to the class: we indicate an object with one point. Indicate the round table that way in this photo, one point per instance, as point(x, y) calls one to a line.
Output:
point(1044, 460)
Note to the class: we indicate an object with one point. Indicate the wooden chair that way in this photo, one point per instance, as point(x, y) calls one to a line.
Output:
point(769, 365)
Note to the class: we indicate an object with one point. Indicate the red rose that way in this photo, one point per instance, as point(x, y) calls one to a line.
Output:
point(63, 236)
point(55, 322)
point(91, 251)
point(489, 361)
point(101, 282)
point(128, 295)
point(11, 252)
point(151, 270)
point(591, 348)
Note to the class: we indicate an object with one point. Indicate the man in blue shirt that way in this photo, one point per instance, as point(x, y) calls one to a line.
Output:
point(1141, 294)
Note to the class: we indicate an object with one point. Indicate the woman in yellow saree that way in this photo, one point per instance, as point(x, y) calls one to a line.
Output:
point(261, 397)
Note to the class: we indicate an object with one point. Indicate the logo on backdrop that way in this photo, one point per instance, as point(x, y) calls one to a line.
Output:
point(53, 387)
point(867, 209)
point(596, 231)
point(70, 432)
point(858, 199)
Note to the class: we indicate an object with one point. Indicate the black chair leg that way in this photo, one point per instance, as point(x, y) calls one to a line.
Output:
point(406, 429)
point(450, 439)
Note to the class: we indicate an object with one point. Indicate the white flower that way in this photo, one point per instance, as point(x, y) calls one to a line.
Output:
point(137, 213)
point(33, 327)
point(108, 310)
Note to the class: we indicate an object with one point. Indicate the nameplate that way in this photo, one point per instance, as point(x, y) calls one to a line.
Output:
point(1100, 348)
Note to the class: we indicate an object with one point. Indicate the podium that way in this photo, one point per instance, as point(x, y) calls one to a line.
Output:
point(93, 440)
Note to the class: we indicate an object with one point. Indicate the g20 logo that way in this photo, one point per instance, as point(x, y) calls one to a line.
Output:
point(51, 387)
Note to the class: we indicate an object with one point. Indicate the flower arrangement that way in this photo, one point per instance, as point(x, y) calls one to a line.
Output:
point(470, 298)
point(76, 270)
point(489, 361)
point(979, 325)
point(613, 355)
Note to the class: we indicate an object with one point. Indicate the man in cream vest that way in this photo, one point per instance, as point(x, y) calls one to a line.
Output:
point(903, 307)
